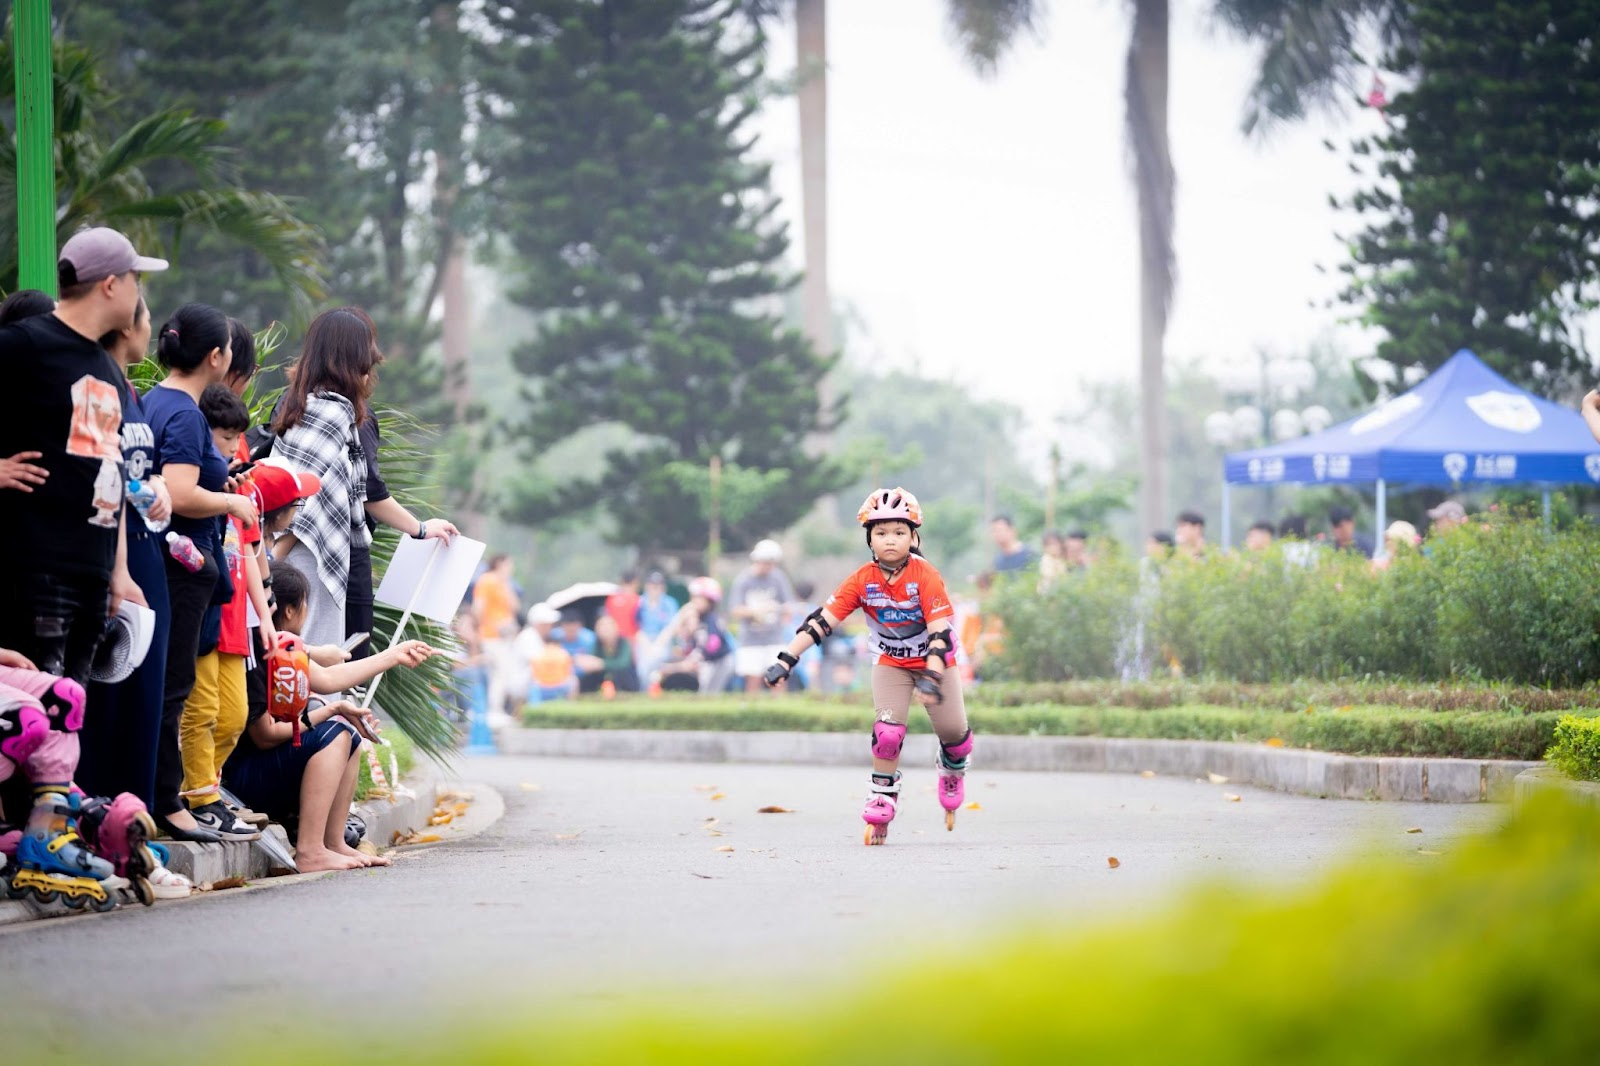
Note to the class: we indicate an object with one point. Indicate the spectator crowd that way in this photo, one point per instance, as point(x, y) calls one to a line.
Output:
point(190, 595)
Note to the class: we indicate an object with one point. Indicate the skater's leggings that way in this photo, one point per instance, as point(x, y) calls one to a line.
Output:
point(892, 691)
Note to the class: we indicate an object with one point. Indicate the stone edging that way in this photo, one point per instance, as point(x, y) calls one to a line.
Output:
point(1540, 779)
point(1312, 773)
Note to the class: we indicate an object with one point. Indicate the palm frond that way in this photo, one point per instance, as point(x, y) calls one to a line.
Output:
point(986, 29)
point(173, 135)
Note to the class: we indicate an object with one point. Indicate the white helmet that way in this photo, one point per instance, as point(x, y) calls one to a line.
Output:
point(766, 551)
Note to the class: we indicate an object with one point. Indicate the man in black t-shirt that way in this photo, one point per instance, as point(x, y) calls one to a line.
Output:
point(62, 548)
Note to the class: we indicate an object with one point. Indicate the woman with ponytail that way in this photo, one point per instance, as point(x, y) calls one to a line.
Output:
point(194, 346)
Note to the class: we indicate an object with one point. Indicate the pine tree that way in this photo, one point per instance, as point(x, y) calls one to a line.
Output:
point(643, 234)
point(1481, 228)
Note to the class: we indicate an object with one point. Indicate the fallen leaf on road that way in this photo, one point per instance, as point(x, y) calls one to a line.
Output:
point(441, 818)
point(1216, 779)
point(725, 847)
point(529, 786)
point(1274, 742)
point(719, 795)
point(705, 788)
point(1147, 773)
point(974, 806)
point(223, 885)
point(1425, 851)
point(715, 832)
point(1232, 797)
point(711, 820)
point(569, 836)
point(703, 877)
point(1415, 829)
point(415, 837)
point(446, 799)
point(1113, 862)
point(773, 810)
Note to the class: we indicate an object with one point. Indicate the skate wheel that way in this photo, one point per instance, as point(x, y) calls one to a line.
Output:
point(142, 890)
point(104, 905)
point(866, 838)
point(949, 820)
point(46, 895)
point(75, 903)
point(13, 892)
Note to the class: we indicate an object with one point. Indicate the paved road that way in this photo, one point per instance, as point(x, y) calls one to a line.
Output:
point(603, 876)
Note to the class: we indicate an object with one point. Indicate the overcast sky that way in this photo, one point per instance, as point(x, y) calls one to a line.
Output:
point(986, 230)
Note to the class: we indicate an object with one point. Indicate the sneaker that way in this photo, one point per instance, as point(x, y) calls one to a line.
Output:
point(217, 818)
point(164, 884)
point(249, 817)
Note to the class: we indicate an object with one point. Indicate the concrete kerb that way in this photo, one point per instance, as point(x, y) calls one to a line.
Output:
point(1312, 773)
point(1541, 779)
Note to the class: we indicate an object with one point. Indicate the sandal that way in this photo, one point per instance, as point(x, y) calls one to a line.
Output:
point(165, 884)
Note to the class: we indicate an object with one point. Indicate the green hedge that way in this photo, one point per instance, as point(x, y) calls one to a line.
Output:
point(1287, 696)
point(1479, 956)
point(1350, 730)
point(1496, 600)
point(1575, 747)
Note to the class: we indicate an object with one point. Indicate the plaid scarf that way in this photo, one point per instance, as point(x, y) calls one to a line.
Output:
point(324, 443)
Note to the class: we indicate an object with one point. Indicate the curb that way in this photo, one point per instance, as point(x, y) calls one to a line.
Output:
point(1311, 773)
point(1543, 779)
point(214, 862)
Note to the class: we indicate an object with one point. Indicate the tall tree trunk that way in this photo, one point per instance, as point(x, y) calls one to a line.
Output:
point(812, 61)
point(1146, 98)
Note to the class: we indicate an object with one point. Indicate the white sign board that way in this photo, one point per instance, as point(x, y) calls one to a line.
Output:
point(430, 578)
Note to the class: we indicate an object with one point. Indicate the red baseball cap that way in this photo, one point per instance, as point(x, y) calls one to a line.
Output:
point(272, 486)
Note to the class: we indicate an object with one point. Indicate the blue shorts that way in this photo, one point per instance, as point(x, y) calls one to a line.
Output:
point(269, 781)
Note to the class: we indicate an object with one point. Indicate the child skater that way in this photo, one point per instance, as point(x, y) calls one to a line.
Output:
point(908, 617)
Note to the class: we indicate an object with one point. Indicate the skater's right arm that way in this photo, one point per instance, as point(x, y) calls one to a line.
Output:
point(778, 672)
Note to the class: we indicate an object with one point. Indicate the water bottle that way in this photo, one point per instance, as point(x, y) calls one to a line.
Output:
point(182, 549)
point(230, 548)
point(141, 495)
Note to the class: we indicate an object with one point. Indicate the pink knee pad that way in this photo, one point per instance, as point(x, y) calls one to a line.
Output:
point(887, 737)
point(23, 726)
point(62, 698)
point(961, 749)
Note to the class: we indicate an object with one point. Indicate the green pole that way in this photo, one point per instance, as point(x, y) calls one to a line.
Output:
point(36, 163)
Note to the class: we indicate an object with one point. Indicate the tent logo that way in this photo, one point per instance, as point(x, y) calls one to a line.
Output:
point(1319, 465)
point(1265, 469)
point(1455, 465)
point(1591, 466)
point(1396, 408)
point(1510, 411)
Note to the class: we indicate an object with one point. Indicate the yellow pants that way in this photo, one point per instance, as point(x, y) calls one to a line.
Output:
point(214, 716)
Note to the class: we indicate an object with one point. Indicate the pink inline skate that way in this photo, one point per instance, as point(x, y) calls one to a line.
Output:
point(880, 807)
point(953, 759)
point(119, 831)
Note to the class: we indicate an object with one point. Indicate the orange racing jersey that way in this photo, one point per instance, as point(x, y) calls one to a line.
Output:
point(897, 611)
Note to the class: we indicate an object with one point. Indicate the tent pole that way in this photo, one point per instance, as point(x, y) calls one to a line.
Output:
point(1544, 507)
point(1381, 548)
point(1227, 515)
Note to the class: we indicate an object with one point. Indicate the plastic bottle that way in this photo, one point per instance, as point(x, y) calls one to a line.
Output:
point(141, 494)
point(182, 549)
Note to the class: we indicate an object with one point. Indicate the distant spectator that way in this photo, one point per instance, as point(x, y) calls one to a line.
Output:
point(623, 605)
point(580, 643)
point(1447, 516)
point(1053, 560)
point(657, 609)
point(982, 634)
point(1160, 546)
point(705, 662)
point(495, 601)
point(757, 601)
point(1258, 538)
point(552, 673)
point(1010, 553)
point(616, 659)
point(1399, 539)
point(1075, 546)
point(1189, 534)
point(1342, 528)
point(1297, 549)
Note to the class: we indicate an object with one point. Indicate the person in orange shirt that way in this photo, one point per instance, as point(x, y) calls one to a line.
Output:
point(908, 615)
point(494, 601)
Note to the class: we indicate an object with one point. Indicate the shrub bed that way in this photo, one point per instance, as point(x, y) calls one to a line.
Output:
point(1575, 747)
point(1349, 730)
point(1498, 599)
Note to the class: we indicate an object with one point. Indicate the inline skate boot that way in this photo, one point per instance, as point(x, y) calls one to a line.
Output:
point(119, 831)
point(52, 862)
point(880, 807)
point(953, 759)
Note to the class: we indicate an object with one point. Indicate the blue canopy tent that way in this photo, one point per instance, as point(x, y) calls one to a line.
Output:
point(1464, 424)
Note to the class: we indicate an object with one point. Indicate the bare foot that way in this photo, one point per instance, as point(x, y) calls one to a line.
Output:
point(342, 848)
point(308, 861)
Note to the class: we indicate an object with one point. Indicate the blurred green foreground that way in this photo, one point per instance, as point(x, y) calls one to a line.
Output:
point(1489, 953)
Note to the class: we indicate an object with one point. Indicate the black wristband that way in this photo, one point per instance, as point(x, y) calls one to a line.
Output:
point(305, 719)
point(422, 530)
point(787, 659)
